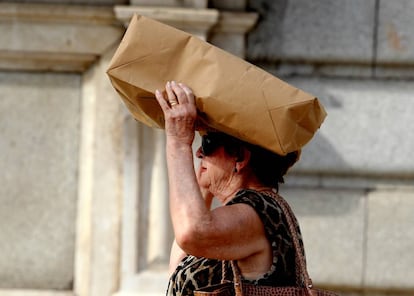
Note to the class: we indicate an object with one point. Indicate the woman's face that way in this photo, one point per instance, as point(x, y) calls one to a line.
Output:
point(215, 171)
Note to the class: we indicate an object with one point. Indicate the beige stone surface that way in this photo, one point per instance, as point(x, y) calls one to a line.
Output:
point(230, 31)
point(39, 131)
point(390, 240)
point(55, 37)
point(171, 3)
point(101, 185)
point(332, 223)
point(192, 20)
point(368, 130)
point(65, 38)
point(35, 293)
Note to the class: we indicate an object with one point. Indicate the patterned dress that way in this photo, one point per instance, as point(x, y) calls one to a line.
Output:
point(194, 273)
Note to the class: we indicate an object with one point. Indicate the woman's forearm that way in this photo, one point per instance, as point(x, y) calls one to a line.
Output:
point(187, 206)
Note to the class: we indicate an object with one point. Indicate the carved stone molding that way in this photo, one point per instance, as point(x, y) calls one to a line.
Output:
point(72, 14)
point(70, 38)
point(223, 29)
point(235, 22)
point(43, 61)
point(46, 37)
point(192, 20)
point(230, 30)
point(171, 3)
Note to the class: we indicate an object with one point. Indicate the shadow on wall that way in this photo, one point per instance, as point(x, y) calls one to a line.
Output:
point(320, 156)
point(319, 159)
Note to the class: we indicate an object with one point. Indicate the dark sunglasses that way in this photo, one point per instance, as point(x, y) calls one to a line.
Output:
point(214, 140)
point(210, 143)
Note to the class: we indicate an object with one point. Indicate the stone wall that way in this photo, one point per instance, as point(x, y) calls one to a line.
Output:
point(39, 126)
point(61, 153)
point(82, 182)
point(353, 189)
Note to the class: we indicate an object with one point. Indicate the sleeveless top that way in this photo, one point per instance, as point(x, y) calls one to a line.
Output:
point(194, 273)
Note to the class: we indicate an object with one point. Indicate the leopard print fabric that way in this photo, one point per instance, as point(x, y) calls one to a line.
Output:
point(194, 273)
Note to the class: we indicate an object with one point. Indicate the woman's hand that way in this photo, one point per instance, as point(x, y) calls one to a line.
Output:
point(180, 112)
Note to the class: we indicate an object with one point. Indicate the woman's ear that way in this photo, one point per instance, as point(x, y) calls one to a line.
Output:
point(242, 159)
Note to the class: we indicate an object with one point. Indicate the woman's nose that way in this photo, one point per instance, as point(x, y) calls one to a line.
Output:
point(199, 153)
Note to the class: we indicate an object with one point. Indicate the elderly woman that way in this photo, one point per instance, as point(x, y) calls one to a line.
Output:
point(249, 228)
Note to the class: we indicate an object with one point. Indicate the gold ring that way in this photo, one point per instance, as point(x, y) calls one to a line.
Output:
point(173, 103)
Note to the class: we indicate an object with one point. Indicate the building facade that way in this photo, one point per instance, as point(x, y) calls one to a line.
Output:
point(84, 197)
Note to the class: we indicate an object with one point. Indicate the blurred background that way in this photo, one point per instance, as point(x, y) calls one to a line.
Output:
point(83, 192)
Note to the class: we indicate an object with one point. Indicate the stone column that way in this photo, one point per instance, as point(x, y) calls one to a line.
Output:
point(77, 42)
point(233, 24)
point(100, 185)
point(159, 227)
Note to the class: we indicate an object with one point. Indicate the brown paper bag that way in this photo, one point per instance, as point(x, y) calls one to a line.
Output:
point(232, 95)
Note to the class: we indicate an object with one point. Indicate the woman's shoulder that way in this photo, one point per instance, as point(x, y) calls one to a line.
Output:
point(268, 206)
point(264, 203)
point(255, 198)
